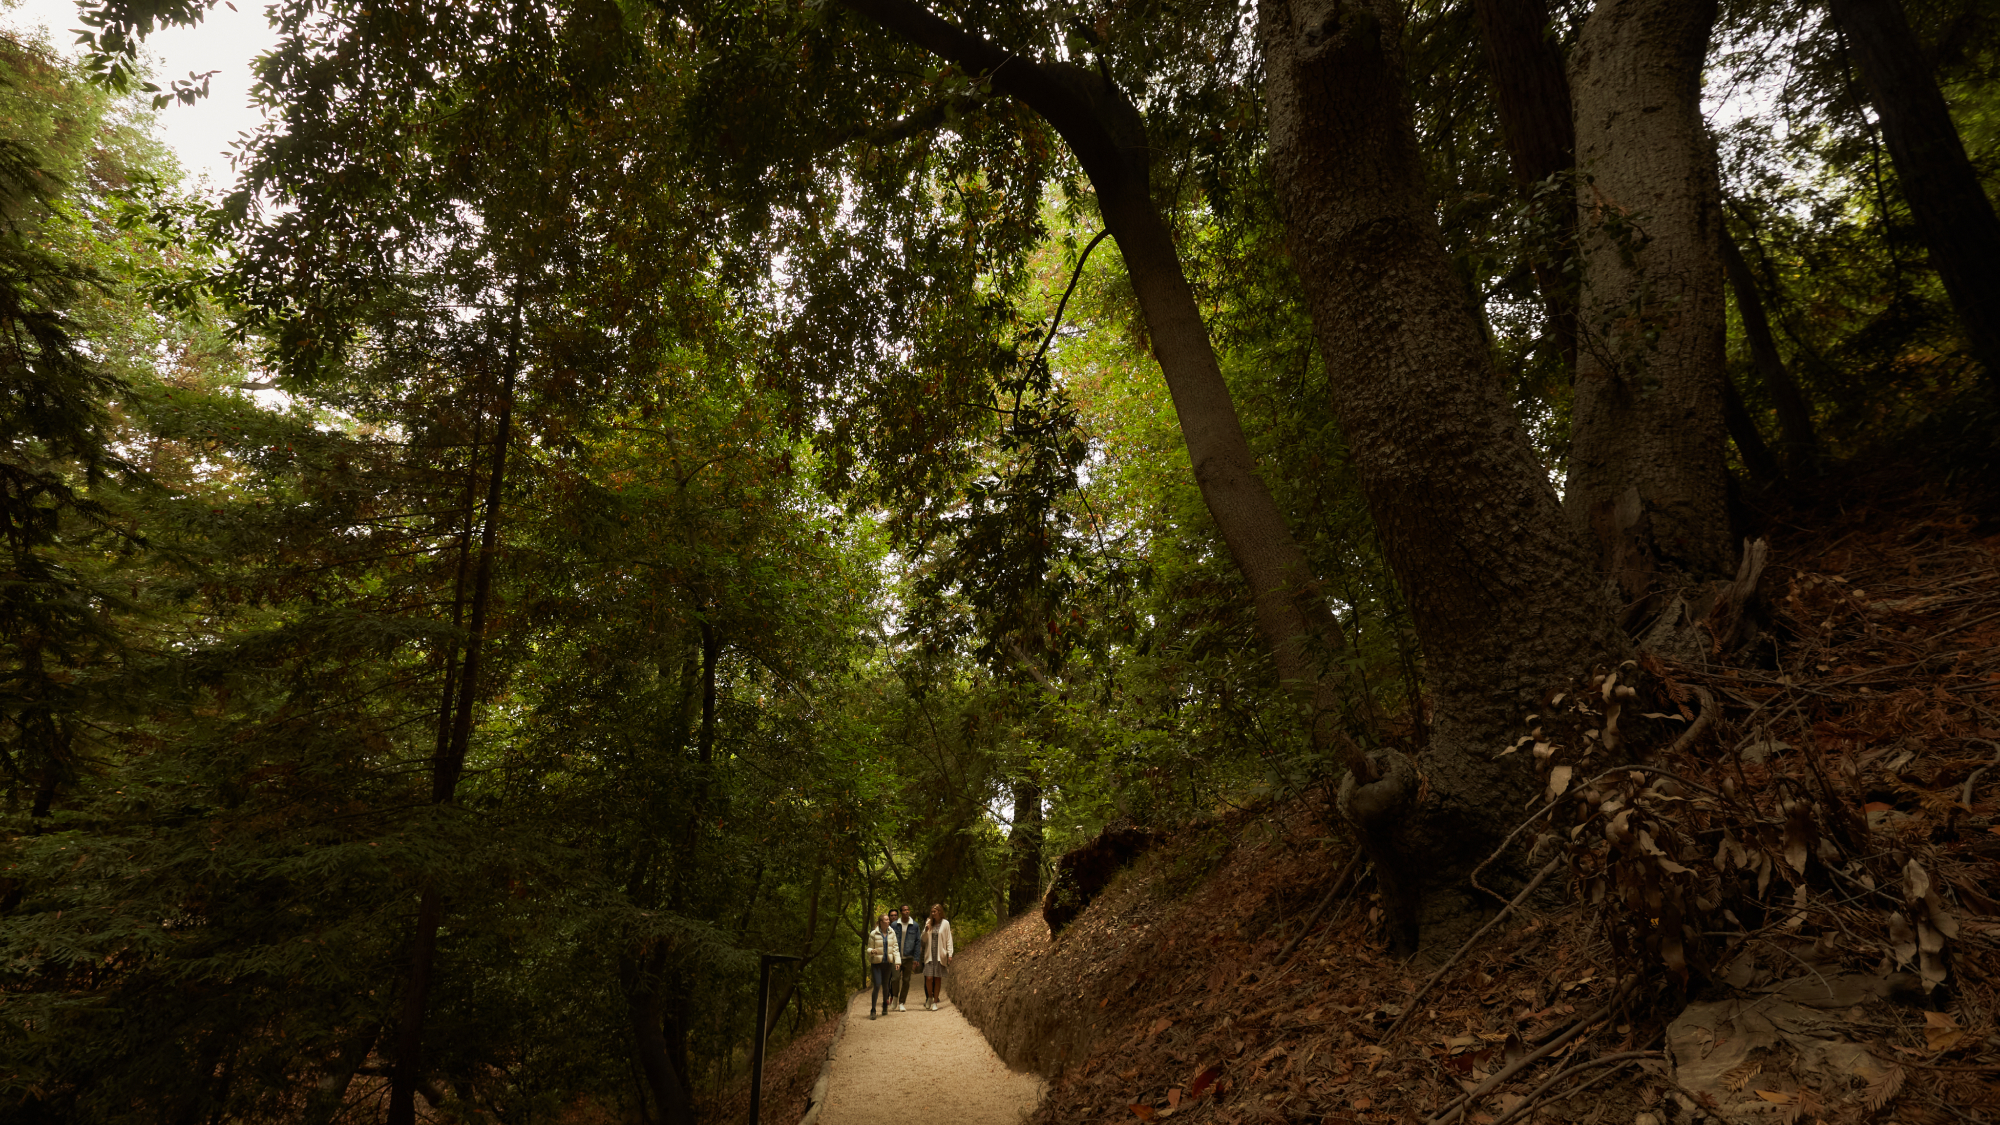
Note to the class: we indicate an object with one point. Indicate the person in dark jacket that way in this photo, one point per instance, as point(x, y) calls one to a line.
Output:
point(908, 931)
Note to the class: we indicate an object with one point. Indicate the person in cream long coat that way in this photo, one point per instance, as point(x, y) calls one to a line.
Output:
point(936, 945)
point(884, 957)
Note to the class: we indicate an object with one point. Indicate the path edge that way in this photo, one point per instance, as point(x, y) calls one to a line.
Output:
point(817, 1098)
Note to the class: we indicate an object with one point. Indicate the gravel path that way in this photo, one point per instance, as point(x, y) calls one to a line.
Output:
point(932, 1065)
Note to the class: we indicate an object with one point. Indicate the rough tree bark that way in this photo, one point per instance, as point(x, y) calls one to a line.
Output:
point(1950, 207)
point(1794, 416)
point(1504, 601)
point(1106, 132)
point(1531, 94)
point(1647, 477)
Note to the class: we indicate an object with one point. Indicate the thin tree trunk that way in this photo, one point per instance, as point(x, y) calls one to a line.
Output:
point(1531, 93)
point(711, 652)
point(449, 696)
point(1503, 602)
point(645, 1012)
point(1950, 206)
point(1024, 842)
point(326, 1101)
point(1750, 446)
point(447, 768)
point(1646, 464)
point(1108, 136)
point(1794, 417)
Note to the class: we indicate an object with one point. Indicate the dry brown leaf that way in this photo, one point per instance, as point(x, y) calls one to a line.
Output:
point(1916, 884)
point(1941, 1032)
point(1903, 939)
point(1559, 780)
point(1204, 1080)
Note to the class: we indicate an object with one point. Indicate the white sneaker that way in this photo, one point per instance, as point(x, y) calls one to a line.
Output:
point(901, 1007)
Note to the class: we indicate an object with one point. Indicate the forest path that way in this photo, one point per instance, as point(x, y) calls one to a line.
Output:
point(931, 1066)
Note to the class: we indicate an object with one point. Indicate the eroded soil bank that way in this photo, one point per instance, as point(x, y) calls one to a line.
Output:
point(1806, 929)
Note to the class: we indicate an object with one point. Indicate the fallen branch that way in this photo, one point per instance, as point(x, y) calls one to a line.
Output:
point(1505, 844)
point(1701, 722)
point(1452, 1111)
point(1410, 1008)
point(1620, 1061)
point(1339, 881)
point(1965, 793)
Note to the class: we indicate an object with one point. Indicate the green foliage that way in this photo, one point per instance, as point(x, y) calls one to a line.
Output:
point(846, 532)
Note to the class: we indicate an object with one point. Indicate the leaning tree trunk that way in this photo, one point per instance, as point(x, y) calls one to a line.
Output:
point(1504, 601)
point(1794, 416)
point(1951, 208)
point(1646, 469)
point(1531, 93)
point(1105, 131)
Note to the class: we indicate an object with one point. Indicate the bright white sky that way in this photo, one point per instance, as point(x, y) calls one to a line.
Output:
point(227, 42)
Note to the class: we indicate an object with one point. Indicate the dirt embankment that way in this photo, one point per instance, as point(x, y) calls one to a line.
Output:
point(1788, 916)
point(789, 1076)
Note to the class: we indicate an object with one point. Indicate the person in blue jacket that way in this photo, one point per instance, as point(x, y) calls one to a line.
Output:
point(908, 934)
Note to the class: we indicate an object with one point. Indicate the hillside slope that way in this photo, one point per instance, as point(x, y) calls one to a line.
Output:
point(1789, 917)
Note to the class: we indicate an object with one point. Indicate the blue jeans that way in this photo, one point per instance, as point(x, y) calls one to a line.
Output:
point(884, 986)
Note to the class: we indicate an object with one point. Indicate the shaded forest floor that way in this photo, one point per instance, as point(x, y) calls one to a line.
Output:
point(789, 1075)
point(1794, 919)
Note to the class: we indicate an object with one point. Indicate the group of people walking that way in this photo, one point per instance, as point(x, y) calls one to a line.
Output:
point(899, 948)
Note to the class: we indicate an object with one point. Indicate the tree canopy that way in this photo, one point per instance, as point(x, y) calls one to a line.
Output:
point(618, 488)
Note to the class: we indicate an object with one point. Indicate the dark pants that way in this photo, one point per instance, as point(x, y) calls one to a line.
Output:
point(909, 969)
point(884, 985)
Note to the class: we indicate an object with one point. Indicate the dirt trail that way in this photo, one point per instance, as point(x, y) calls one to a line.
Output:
point(934, 1065)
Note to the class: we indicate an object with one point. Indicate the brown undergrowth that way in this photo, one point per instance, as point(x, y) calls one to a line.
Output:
point(789, 1074)
point(1789, 916)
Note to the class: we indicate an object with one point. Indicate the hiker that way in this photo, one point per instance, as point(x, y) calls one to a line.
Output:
point(883, 958)
point(908, 937)
point(936, 940)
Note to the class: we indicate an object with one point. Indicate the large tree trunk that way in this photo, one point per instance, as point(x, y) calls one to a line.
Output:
point(1646, 470)
point(1504, 601)
point(1108, 136)
point(1794, 416)
point(1531, 93)
point(1950, 207)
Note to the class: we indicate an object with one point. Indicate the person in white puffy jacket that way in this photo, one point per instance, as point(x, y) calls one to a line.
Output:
point(936, 945)
point(884, 958)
